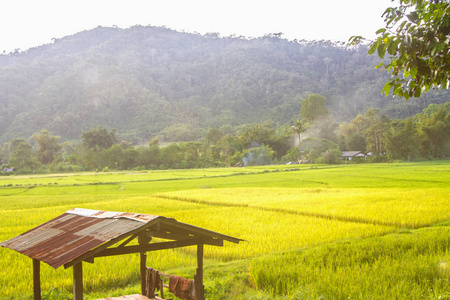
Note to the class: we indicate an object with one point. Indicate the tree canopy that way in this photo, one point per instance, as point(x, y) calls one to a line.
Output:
point(417, 39)
point(48, 146)
point(99, 138)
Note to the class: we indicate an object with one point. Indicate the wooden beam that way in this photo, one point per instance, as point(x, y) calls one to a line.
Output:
point(157, 246)
point(36, 279)
point(170, 236)
point(143, 268)
point(199, 231)
point(89, 260)
point(78, 281)
point(198, 280)
point(129, 240)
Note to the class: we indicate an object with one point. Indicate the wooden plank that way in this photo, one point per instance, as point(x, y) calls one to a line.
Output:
point(78, 281)
point(36, 279)
point(198, 281)
point(157, 246)
point(143, 269)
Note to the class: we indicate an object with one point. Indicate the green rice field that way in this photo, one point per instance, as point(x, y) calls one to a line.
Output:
point(368, 231)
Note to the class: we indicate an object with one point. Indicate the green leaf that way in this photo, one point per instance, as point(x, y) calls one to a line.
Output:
point(386, 89)
point(400, 28)
point(381, 49)
point(417, 93)
point(393, 46)
point(372, 48)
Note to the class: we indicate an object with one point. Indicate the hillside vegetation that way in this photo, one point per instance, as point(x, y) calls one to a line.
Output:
point(153, 81)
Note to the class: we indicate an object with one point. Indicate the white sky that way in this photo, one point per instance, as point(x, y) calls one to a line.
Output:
point(30, 23)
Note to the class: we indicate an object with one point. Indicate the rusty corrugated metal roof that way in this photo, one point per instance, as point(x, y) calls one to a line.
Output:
point(74, 233)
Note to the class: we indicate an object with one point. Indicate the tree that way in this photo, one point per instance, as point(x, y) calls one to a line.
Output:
point(258, 156)
point(253, 135)
point(416, 37)
point(99, 138)
point(5, 152)
point(86, 157)
point(149, 157)
point(410, 140)
point(8, 148)
point(366, 132)
point(172, 155)
point(213, 136)
point(191, 155)
point(299, 128)
point(154, 142)
point(22, 156)
point(330, 156)
point(228, 146)
point(291, 155)
point(113, 157)
point(435, 123)
point(48, 146)
point(376, 126)
point(318, 146)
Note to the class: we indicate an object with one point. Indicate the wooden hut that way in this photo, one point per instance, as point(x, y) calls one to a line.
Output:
point(81, 235)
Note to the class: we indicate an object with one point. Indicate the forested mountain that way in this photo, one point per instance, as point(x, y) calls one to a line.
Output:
point(153, 81)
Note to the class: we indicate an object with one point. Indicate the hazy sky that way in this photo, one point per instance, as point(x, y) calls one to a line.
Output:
point(30, 23)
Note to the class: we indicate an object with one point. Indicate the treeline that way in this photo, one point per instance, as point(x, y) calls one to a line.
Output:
point(425, 135)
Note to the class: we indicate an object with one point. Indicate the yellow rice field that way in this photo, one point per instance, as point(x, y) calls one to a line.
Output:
point(275, 211)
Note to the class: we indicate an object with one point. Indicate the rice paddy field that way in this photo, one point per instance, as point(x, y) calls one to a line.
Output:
point(369, 231)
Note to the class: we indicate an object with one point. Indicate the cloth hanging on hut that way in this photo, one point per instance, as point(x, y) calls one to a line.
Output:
point(181, 287)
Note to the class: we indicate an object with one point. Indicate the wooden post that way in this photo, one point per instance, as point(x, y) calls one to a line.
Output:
point(78, 281)
point(36, 279)
point(143, 272)
point(198, 281)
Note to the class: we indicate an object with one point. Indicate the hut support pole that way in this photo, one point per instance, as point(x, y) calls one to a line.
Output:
point(36, 279)
point(143, 272)
point(78, 281)
point(198, 280)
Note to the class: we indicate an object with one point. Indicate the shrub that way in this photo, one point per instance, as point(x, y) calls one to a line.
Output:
point(331, 156)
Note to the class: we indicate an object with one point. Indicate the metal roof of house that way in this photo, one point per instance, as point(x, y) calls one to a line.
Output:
point(351, 153)
point(81, 233)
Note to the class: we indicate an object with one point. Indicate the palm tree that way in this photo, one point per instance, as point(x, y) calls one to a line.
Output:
point(299, 128)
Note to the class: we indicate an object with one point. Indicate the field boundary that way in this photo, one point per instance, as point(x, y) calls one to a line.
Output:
point(13, 186)
point(282, 210)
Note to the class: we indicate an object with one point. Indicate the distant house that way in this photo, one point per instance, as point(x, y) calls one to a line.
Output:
point(7, 170)
point(349, 154)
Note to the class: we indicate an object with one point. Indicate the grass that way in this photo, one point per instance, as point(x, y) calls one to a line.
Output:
point(312, 232)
